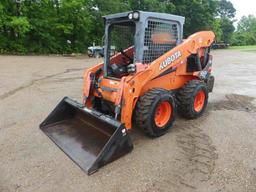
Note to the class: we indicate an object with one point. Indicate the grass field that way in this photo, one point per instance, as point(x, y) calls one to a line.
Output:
point(246, 48)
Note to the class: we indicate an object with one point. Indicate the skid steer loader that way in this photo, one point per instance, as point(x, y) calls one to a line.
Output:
point(155, 74)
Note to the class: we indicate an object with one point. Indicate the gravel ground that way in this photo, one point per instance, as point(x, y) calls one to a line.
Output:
point(213, 153)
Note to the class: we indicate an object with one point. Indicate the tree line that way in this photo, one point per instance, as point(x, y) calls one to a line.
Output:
point(67, 26)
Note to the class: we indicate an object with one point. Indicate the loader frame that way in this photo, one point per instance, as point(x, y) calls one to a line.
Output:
point(169, 71)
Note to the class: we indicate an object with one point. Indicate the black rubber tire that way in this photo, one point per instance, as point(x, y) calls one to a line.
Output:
point(146, 108)
point(186, 96)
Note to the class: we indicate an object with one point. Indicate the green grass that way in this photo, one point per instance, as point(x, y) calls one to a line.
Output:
point(244, 48)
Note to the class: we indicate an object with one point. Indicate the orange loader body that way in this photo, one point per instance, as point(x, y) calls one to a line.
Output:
point(131, 87)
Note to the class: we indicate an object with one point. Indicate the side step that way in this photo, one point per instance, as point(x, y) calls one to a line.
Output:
point(91, 139)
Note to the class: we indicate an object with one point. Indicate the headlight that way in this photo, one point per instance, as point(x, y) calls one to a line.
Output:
point(134, 15)
point(130, 16)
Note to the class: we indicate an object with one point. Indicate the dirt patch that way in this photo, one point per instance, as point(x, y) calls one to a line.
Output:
point(234, 102)
point(199, 154)
point(12, 92)
point(194, 163)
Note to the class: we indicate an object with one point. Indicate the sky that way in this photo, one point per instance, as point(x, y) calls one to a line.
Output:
point(244, 7)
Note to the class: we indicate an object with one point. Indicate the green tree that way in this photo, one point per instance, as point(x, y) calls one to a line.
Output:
point(247, 24)
point(246, 31)
point(74, 24)
point(151, 5)
point(226, 9)
point(199, 14)
point(216, 27)
point(227, 28)
point(65, 26)
point(13, 27)
point(100, 8)
point(226, 12)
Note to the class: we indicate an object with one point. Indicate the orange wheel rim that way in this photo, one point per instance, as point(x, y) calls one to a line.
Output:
point(163, 113)
point(199, 101)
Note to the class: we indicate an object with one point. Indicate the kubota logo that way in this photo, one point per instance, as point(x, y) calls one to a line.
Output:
point(170, 60)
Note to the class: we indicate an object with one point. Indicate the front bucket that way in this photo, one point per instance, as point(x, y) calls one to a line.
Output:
point(91, 139)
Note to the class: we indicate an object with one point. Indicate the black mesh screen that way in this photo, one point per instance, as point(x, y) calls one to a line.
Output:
point(159, 38)
point(122, 35)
